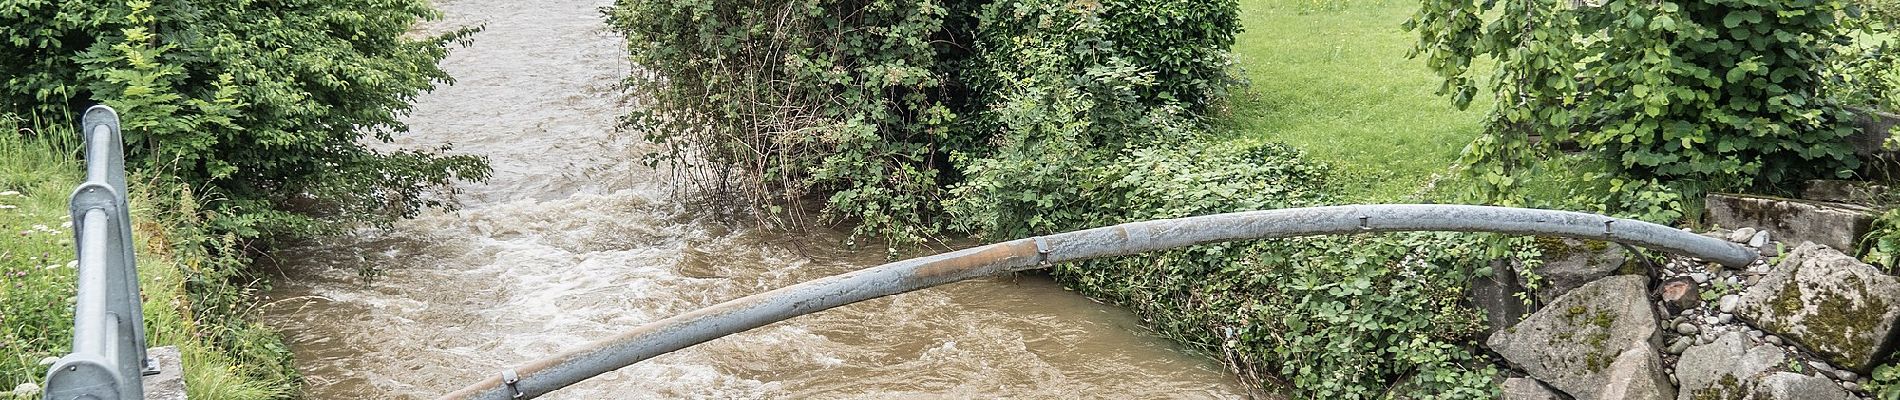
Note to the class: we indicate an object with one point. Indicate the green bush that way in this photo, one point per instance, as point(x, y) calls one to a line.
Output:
point(1325, 317)
point(1703, 94)
point(267, 102)
point(879, 105)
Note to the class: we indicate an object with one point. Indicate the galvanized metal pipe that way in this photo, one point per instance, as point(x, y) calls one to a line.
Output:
point(660, 337)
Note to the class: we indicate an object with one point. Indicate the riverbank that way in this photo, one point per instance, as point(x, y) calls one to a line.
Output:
point(226, 354)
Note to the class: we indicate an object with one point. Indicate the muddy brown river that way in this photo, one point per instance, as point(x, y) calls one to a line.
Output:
point(573, 240)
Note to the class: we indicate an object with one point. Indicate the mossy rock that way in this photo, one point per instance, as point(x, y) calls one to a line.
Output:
point(1828, 303)
point(1573, 343)
point(1571, 263)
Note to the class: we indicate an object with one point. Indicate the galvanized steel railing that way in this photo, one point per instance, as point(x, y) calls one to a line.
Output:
point(660, 337)
point(108, 357)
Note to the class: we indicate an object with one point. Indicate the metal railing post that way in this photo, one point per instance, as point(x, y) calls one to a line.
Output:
point(108, 357)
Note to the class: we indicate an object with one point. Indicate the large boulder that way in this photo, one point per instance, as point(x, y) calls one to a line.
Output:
point(1793, 221)
point(1527, 389)
point(1725, 368)
point(1572, 342)
point(1638, 374)
point(1829, 303)
point(1571, 263)
point(1793, 386)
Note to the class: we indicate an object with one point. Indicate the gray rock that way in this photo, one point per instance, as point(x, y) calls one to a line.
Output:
point(1571, 343)
point(1850, 386)
point(1729, 302)
point(1723, 369)
point(1843, 310)
point(1725, 318)
point(1571, 263)
point(1832, 224)
point(1760, 358)
point(1687, 329)
point(1700, 277)
point(1637, 374)
point(1759, 240)
point(1680, 345)
point(1496, 295)
point(1741, 235)
point(1791, 386)
point(1846, 376)
point(1772, 339)
point(1702, 366)
point(1823, 367)
point(1527, 389)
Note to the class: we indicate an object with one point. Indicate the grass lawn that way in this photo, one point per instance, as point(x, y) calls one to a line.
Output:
point(1331, 77)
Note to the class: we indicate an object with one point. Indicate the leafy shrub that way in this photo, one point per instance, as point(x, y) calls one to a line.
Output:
point(879, 105)
point(1885, 382)
point(1062, 102)
point(1868, 71)
point(787, 99)
point(1709, 94)
point(1324, 317)
point(265, 101)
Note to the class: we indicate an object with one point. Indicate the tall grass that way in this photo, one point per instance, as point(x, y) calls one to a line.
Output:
point(38, 171)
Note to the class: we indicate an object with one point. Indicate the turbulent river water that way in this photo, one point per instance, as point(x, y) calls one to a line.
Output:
point(573, 240)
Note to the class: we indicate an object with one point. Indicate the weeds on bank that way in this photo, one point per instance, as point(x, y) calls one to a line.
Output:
point(38, 172)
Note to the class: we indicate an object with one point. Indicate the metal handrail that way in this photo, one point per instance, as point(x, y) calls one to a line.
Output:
point(539, 377)
point(108, 355)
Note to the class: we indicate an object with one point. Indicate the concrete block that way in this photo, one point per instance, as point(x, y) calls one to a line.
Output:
point(1834, 225)
point(169, 384)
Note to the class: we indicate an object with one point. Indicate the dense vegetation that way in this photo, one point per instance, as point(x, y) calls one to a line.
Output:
point(245, 121)
point(1696, 95)
point(265, 102)
point(881, 106)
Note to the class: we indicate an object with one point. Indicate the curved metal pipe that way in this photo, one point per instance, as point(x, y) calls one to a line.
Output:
point(664, 336)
